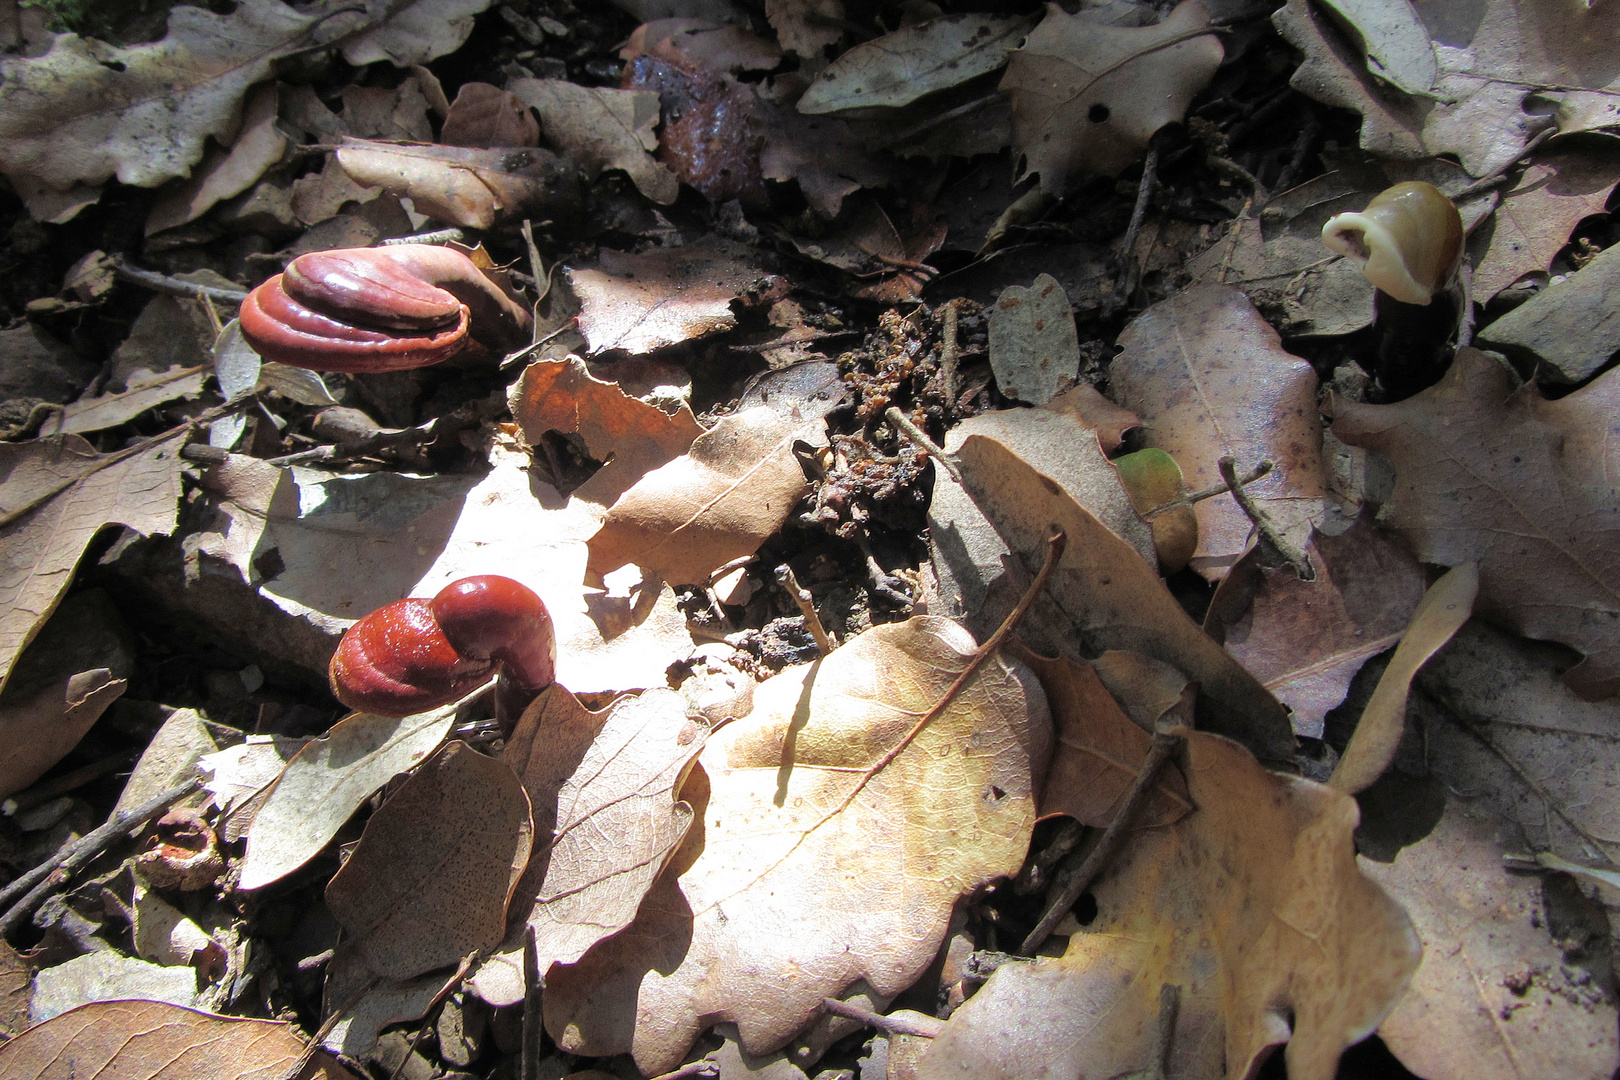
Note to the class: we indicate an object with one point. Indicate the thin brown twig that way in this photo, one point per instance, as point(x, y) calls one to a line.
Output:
point(431, 1013)
point(1164, 744)
point(922, 1027)
point(1263, 524)
point(529, 1056)
point(950, 353)
point(173, 286)
point(1262, 469)
point(1164, 1033)
point(920, 439)
point(1232, 238)
point(1144, 192)
point(530, 350)
point(801, 596)
point(55, 872)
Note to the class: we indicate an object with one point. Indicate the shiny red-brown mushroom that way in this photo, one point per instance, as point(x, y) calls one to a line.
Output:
point(379, 309)
point(413, 655)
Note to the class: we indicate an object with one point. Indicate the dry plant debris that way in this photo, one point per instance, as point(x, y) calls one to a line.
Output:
point(976, 512)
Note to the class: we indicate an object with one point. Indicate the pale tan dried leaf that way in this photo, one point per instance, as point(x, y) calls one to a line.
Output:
point(325, 783)
point(1104, 595)
point(1086, 97)
point(473, 188)
point(1441, 613)
point(1034, 348)
point(1305, 640)
point(1098, 752)
point(56, 494)
point(630, 435)
point(222, 175)
point(144, 391)
point(164, 935)
point(433, 872)
point(107, 975)
point(1252, 905)
point(897, 69)
point(151, 1040)
point(601, 128)
point(1209, 377)
point(169, 758)
point(87, 111)
point(406, 32)
point(239, 778)
point(1495, 998)
point(643, 301)
point(606, 810)
point(1538, 213)
point(1503, 61)
point(716, 503)
point(753, 926)
point(1496, 474)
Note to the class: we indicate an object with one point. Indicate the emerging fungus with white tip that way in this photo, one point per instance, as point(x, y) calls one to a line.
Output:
point(1408, 240)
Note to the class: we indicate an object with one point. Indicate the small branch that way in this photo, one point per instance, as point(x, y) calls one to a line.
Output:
point(55, 872)
point(1262, 522)
point(801, 596)
point(432, 1010)
point(174, 286)
point(1164, 744)
point(923, 1028)
point(1233, 171)
point(1465, 324)
point(529, 1060)
point(701, 1067)
point(530, 350)
point(537, 266)
point(436, 236)
point(1262, 469)
point(1144, 191)
point(950, 353)
point(920, 439)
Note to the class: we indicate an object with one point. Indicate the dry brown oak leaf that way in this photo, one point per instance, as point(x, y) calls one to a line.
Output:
point(1087, 97)
point(607, 817)
point(435, 868)
point(1491, 472)
point(817, 866)
point(1209, 377)
point(716, 503)
point(1252, 905)
point(1495, 997)
point(153, 1040)
point(1305, 640)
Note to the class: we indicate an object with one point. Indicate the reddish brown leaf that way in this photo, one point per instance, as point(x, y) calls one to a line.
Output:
point(485, 116)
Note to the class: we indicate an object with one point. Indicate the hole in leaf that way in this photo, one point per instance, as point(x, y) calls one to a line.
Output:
point(1098, 113)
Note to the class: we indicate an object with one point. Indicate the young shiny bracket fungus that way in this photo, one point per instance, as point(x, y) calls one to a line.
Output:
point(379, 309)
point(1408, 240)
point(415, 654)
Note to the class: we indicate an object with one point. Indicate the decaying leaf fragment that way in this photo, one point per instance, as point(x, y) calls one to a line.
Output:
point(152, 1040)
point(1034, 348)
point(716, 503)
point(1087, 97)
point(607, 816)
point(1493, 473)
point(473, 188)
point(1252, 906)
point(816, 865)
point(56, 494)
